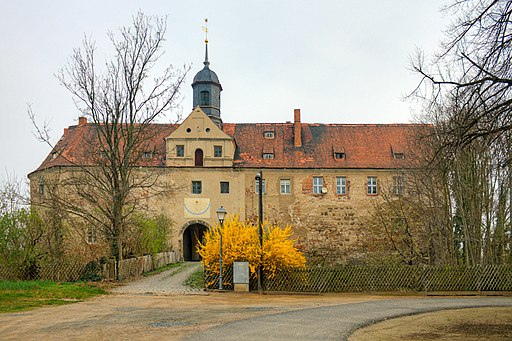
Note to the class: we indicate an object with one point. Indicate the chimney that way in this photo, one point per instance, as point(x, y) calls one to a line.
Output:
point(66, 132)
point(82, 120)
point(297, 129)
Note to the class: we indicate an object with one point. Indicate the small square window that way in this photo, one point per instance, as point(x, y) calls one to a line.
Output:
point(197, 187)
point(180, 150)
point(257, 186)
point(285, 186)
point(217, 151)
point(224, 187)
point(317, 184)
point(339, 155)
point(268, 155)
point(341, 185)
point(372, 185)
point(268, 134)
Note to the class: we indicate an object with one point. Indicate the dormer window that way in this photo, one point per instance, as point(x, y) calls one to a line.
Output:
point(339, 155)
point(268, 155)
point(268, 134)
point(204, 98)
point(399, 156)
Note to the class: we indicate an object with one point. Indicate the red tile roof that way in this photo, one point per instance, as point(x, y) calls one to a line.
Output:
point(364, 146)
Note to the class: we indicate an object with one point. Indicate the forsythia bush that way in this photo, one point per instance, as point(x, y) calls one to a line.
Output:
point(240, 243)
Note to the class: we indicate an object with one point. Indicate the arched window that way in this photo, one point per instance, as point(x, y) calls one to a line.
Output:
point(204, 98)
point(198, 157)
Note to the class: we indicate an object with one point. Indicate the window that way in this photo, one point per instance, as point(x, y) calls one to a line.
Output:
point(341, 185)
point(197, 187)
point(257, 186)
point(180, 150)
point(91, 235)
point(317, 184)
point(204, 98)
point(217, 151)
point(399, 156)
point(268, 134)
point(198, 158)
point(224, 187)
point(41, 187)
point(339, 155)
point(147, 155)
point(372, 185)
point(285, 186)
point(398, 185)
point(268, 155)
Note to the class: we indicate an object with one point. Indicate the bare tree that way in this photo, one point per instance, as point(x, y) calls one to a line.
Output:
point(104, 185)
point(470, 80)
point(468, 102)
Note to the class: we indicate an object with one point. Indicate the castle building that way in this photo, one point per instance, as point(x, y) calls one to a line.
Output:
point(322, 179)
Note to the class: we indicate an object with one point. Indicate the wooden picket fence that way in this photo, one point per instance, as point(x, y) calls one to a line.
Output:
point(74, 270)
point(381, 279)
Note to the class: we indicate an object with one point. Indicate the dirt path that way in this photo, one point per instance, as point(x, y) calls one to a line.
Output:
point(153, 317)
point(171, 311)
point(171, 282)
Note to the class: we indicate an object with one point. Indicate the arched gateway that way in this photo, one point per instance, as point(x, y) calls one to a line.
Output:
point(193, 233)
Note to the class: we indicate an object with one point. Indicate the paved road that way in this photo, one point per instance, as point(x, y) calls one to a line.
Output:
point(335, 322)
point(170, 282)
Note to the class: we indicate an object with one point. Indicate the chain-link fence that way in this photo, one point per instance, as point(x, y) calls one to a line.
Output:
point(379, 279)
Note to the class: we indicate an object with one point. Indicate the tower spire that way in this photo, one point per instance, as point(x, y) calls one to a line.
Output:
point(206, 86)
point(205, 29)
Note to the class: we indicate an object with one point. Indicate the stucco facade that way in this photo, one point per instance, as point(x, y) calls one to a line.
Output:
point(322, 179)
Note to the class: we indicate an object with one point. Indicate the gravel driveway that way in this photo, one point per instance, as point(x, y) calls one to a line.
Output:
point(170, 282)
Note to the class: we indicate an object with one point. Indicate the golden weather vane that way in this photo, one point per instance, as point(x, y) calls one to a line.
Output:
point(205, 29)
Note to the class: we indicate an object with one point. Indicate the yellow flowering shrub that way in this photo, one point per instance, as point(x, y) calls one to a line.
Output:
point(278, 250)
point(240, 243)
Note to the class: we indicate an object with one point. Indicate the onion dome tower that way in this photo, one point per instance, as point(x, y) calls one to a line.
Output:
point(206, 88)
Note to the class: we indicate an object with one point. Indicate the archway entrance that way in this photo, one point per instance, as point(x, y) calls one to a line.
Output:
point(192, 235)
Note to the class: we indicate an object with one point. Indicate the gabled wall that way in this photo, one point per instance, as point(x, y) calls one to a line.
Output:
point(199, 132)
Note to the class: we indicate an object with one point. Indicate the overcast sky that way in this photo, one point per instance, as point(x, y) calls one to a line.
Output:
point(339, 61)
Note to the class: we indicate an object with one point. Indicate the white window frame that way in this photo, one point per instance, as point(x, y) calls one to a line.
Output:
point(257, 186)
point(318, 184)
point(341, 185)
point(372, 188)
point(398, 185)
point(285, 186)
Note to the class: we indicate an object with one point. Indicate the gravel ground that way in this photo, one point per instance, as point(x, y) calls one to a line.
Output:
point(171, 282)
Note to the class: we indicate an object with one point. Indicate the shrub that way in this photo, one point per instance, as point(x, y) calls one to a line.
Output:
point(240, 243)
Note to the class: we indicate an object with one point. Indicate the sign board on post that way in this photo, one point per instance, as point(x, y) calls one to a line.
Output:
point(241, 276)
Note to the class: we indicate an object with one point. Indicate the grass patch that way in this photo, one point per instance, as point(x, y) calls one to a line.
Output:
point(24, 295)
point(196, 279)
